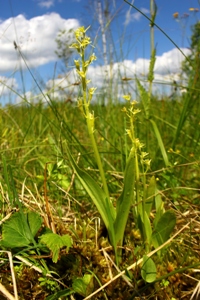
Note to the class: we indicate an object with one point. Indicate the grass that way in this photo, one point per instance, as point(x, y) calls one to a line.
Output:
point(36, 144)
point(58, 240)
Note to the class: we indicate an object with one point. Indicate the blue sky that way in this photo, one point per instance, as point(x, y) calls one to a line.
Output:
point(34, 25)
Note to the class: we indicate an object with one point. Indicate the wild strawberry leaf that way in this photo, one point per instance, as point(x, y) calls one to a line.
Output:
point(55, 242)
point(19, 230)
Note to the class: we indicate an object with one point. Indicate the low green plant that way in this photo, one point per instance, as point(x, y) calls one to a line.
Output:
point(19, 232)
point(115, 218)
point(84, 285)
point(50, 284)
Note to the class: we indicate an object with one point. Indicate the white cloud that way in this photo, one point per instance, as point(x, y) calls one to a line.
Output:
point(46, 4)
point(35, 38)
point(136, 16)
point(170, 62)
point(167, 69)
point(7, 85)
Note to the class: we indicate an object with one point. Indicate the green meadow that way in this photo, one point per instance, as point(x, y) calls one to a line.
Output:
point(101, 200)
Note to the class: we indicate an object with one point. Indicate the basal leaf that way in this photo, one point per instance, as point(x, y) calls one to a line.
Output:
point(55, 242)
point(148, 270)
point(19, 230)
point(150, 195)
point(34, 222)
point(163, 228)
point(83, 286)
point(98, 196)
point(126, 199)
point(147, 228)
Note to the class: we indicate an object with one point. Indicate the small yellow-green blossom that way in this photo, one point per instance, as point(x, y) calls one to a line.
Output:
point(133, 111)
point(85, 42)
point(75, 45)
point(90, 60)
point(127, 97)
point(133, 102)
point(88, 81)
point(86, 63)
point(80, 32)
point(147, 162)
point(138, 144)
point(144, 154)
point(124, 109)
point(91, 93)
point(82, 40)
point(128, 132)
point(77, 64)
point(170, 150)
point(92, 90)
point(81, 73)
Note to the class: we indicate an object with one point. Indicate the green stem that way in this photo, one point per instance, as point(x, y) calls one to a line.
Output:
point(97, 157)
point(90, 125)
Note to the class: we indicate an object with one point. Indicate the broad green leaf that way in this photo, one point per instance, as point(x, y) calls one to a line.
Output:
point(111, 231)
point(55, 242)
point(34, 222)
point(144, 226)
point(147, 228)
point(159, 205)
point(163, 228)
point(19, 230)
point(148, 270)
point(151, 189)
point(83, 286)
point(126, 199)
point(104, 206)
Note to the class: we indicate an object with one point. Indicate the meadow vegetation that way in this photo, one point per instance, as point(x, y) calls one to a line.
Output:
point(101, 201)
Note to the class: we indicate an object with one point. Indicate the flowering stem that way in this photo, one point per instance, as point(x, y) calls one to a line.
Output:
point(82, 42)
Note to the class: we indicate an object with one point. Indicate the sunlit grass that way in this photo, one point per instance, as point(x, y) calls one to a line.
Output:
point(38, 142)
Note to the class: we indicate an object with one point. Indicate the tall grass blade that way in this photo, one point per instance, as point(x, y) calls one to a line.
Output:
point(160, 143)
point(7, 181)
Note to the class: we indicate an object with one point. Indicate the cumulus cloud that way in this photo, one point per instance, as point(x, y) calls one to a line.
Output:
point(118, 78)
point(35, 39)
point(134, 17)
point(121, 75)
point(170, 62)
point(7, 85)
point(46, 4)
